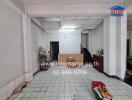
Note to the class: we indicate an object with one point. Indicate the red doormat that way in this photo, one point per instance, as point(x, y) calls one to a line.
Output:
point(100, 91)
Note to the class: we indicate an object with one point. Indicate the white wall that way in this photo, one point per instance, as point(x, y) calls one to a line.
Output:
point(84, 40)
point(68, 42)
point(11, 45)
point(39, 38)
point(95, 38)
point(19, 4)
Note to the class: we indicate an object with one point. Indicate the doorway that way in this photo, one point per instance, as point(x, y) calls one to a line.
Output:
point(54, 50)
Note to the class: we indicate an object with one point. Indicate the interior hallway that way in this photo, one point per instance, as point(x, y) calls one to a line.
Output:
point(48, 85)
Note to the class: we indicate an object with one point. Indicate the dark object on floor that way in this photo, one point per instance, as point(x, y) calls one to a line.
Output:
point(129, 82)
point(43, 59)
point(87, 56)
point(100, 91)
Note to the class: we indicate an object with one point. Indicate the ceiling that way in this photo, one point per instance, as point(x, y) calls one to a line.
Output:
point(71, 2)
point(86, 22)
point(79, 23)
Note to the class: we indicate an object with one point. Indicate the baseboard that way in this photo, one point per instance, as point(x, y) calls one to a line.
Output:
point(28, 76)
point(36, 72)
point(112, 76)
point(8, 89)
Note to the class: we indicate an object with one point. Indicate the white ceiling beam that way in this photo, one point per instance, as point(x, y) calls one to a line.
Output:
point(58, 10)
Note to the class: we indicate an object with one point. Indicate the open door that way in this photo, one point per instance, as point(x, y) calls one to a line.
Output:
point(54, 50)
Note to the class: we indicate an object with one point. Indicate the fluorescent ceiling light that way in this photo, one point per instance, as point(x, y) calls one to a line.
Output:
point(68, 27)
point(66, 30)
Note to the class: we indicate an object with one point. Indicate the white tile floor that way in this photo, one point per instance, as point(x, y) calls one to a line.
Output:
point(48, 85)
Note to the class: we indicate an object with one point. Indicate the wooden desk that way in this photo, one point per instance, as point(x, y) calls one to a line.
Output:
point(62, 58)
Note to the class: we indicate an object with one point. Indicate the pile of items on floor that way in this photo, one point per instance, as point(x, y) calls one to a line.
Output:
point(100, 90)
point(44, 59)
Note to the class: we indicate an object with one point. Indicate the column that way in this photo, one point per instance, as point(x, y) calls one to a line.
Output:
point(27, 48)
point(121, 46)
point(110, 45)
point(115, 38)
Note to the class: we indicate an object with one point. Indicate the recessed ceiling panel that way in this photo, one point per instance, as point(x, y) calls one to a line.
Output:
point(80, 22)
